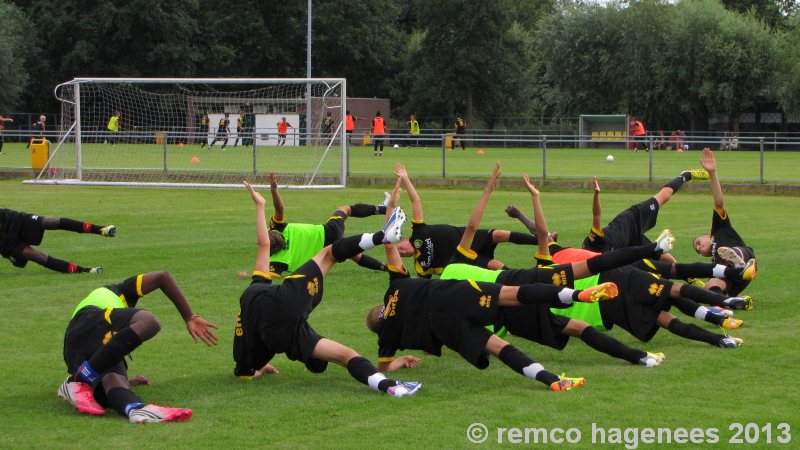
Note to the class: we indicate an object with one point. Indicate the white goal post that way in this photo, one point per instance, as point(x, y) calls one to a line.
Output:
point(204, 132)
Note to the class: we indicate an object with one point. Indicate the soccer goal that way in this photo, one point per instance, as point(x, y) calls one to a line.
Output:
point(177, 132)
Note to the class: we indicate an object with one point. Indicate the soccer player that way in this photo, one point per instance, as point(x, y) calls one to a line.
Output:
point(205, 129)
point(413, 131)
point(283, 128)
point(40, 126)
point(628, 227)
point(3, 121)
point(239, 129)
point(379, 129)
point(20, 232)
point(105, 327)
point(223, 128)
point(274, 319)
point(536, 322)
point(432, 246)
point(326, 128)
point(723, 244)
point(459, 129)
point(113, 127)
point(350, 125)
point(425, 314)
point(292, 244)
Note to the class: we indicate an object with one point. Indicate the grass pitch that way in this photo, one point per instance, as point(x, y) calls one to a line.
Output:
point(205, 236)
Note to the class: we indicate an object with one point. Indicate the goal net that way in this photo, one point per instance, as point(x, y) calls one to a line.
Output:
point(199, 132)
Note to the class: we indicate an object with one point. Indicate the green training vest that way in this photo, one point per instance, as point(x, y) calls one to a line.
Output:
point(102, 298)
point(303, 242)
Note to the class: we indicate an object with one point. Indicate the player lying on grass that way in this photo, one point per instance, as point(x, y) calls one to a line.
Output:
point(20, 232)
point(426, 314)
point(629, 226)
point(536, 322)
point(723, 244)
point(273, 319)
point(681, 271)
point(432, 246)
point(105, 327)
point(644, 300)
point(292, 244)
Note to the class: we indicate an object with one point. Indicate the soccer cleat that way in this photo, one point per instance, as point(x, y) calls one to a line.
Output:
point(739, 303)
point(96, 270)
point(665, 241)
point(109, 231)
point(730, 342)
point(153, 413)
point(81, 396)
point(386, 198)
point(404, 388)
point(733, 256)
point(652, 359)
point(696, 282)
point(393, 230)
point(720, 311)
point(567, 383)
point(749, 270)
point(695, 174)
point(603, 291)
point(731, 323)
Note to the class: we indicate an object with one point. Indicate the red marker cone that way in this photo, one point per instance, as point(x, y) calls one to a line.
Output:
point(195, 159)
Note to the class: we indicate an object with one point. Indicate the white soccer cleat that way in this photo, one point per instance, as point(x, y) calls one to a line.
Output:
point(652, 359)
point(386, 197)
point(665, 241)
point(730, 342)
point(393, 230)
point(108, 231)
point(404, 388)
point(153, 413)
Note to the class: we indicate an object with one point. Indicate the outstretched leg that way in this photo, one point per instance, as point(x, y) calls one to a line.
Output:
point(525, 365)
point(610, 346)
point(55, 264)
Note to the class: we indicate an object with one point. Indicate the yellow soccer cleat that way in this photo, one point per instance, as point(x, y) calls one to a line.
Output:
point(603, 291)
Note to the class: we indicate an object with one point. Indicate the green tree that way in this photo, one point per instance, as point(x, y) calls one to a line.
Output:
point(788, 76)
point(16, 53)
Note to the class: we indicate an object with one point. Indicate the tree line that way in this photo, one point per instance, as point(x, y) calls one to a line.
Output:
point(672, 63)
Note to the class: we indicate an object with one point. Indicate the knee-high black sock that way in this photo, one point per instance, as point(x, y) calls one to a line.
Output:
point(620, 257)
point(706, 270)
point(350, 246)
point(675, 184)
point(701, 295)
point(123, 400)
point(610, 346)
point(124, 342)
point(59, 265)
point(546, 293)
point(515, 237)
point(693, 332)
point(363, 210)
point(371, 263)
point(524, 365)
point(362, 370)
point(699, 312)
point(77, 226)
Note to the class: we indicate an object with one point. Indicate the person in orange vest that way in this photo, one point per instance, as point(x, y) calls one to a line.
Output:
point(283, 128)
point(640, 134)
point(350, 124)
point(379, 128)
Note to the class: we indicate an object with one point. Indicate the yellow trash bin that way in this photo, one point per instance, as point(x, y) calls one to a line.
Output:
point(448, 140)
point(367, 138)
point(40, 153)
point(159, 137)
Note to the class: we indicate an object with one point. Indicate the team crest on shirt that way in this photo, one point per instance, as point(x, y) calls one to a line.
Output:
point(486, 301)
point(417, 243)
point(391, 306)
point(313, 286)
point(656, 289)
point(560, 278)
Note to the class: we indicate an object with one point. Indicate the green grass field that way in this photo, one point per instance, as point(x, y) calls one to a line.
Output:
point(205, 236)
point(560, 163)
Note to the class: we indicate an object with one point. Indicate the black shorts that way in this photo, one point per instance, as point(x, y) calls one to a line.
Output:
point(627, 229)
point(334, 227)
point(459, 314)
point(642, 297)
point(483, 243)
point(89, 330)
point(536, 323)
point(281, 136)
point(274, 318)
point(19, 230)
point(558, 275)
point(735, 287)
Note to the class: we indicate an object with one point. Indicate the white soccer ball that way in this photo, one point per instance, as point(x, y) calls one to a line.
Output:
point(610, 158)
point(396, 146)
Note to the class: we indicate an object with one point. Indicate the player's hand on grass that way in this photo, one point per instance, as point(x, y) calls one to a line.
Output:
point(273, 181)
point(267, 369)
point(708, 162)
point(139, 380)
point(407, 361)
point(531, 188)
point(257, 198)
point(596, 184)
point(201, 328)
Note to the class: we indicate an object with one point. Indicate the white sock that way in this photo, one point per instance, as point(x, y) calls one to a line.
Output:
point(532, 370)
point(366, 241)
point(719, 271)
point(375, 379)
point(700, 313)
point(565, 295)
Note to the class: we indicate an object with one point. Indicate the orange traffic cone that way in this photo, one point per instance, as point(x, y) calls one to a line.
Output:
point(195, 159)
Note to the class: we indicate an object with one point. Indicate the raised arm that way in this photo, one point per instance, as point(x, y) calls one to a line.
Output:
point(197, 326)
point(597, 213)
point(477, 212)
point(538, 217)
point(413, 197)
point(393, 258)
point(277, 201)
point(710, 164)
point(262, 234)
